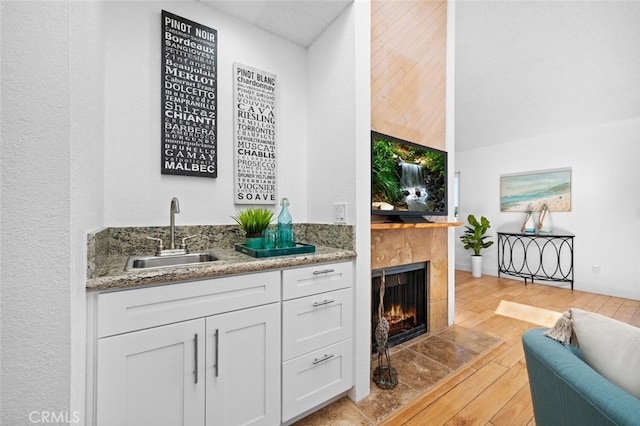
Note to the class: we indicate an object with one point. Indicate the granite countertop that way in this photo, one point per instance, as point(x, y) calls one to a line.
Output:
point(112, 275)
point(109, 248)
point(106, 264)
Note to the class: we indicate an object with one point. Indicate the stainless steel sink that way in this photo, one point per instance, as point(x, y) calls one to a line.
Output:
point(153, 262)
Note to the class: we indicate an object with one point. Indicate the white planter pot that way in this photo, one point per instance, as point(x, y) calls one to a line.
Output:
point(476, 266)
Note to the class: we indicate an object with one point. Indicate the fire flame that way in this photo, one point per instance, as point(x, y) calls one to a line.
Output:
point(399, 319)
point(395, 313)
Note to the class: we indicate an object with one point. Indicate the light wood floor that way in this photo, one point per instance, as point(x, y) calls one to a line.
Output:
point(494, 390)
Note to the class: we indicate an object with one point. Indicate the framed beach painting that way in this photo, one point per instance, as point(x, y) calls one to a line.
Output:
point(521, 192)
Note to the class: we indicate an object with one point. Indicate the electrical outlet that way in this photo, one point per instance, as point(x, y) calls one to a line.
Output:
point(340, 213)
point(595, 268)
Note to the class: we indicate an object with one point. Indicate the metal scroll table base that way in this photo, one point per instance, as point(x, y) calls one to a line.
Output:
point(536, 256)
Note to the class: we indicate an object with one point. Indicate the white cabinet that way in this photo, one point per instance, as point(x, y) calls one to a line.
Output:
point(219, 364)
point(243, 375)
point(153, 376)
point(255, 349)
point(317, 330)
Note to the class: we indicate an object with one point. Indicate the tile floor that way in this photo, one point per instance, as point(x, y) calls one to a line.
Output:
point(421, 363)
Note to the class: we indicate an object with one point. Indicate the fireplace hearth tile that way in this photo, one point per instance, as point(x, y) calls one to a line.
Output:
point(445, 352)
point(340, 413)
point(469, 338)
point(380, 402)
point(417, 370)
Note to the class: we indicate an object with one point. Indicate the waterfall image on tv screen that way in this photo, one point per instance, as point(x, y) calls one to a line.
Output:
point(407, 178)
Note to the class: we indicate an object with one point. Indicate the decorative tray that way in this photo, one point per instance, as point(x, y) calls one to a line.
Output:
point(299, 248)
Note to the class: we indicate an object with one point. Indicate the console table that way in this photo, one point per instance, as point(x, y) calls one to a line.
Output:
point(536, 255)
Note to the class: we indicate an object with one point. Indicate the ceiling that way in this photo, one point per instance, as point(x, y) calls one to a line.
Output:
point(300, 21)
point(528, 68)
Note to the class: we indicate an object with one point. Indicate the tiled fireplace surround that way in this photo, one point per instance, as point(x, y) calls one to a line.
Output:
point(394, 245)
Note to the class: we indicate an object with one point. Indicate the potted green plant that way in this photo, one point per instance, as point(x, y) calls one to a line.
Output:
point(474, 238)
point(253, 221)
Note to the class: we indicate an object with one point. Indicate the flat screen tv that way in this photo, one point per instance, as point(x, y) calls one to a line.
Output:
point(408, 180)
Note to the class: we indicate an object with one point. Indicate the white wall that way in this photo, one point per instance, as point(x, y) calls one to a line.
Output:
point(136, 194)
point(86, 76)
point(51, 196)
point(605, 214)
point(450, 142)
point(362, 196)
point(332, 131)
point(338, 165)
point(35, 218)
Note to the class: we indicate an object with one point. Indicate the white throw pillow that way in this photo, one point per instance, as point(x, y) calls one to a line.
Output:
point(610, 347)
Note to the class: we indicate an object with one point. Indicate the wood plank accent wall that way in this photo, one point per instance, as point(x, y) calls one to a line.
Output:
point(408, 69)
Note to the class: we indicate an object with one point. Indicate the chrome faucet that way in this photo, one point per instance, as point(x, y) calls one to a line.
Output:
point(174, 208)
point(172, 250)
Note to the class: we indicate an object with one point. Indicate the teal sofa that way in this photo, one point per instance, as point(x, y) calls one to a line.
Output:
point(567, 391)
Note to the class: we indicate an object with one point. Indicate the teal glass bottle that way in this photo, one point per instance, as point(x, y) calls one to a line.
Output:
point(285, 226)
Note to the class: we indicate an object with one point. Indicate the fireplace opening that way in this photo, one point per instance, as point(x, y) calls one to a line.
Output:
point(405, 302)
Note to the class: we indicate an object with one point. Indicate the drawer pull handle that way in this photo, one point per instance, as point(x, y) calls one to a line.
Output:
point(323, 271)
point(195, 371)
point(324, 302)
point(324, 358)
point(216, 361)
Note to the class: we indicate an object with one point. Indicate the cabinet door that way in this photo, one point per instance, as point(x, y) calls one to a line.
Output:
point(243, 367)
point(152, 377)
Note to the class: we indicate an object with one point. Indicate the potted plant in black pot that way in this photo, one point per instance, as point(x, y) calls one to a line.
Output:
point(475, 238)
point(253, 221)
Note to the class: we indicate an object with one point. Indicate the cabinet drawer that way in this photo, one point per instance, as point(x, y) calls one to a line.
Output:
point(312, 379)
point(309, 323)
point(129, 310)
point(300, 282)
